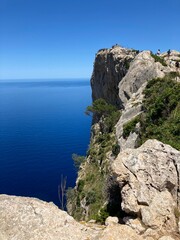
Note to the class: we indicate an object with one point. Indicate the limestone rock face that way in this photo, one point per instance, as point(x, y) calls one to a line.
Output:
point(119, 232)
point(132, 109)
point(110, 66)
point(142, 69)
point(149, 180)
point(32, 219)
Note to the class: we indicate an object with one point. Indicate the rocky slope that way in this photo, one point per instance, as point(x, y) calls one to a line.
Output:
point(120, 77)
point(136, 182)
point(149, 180)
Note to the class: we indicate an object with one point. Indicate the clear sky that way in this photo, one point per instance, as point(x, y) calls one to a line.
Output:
point(59, 38)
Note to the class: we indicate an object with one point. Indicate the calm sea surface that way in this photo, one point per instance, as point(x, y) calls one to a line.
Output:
point(41, 125)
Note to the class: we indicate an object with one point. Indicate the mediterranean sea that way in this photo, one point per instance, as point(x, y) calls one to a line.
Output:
point(42, 123)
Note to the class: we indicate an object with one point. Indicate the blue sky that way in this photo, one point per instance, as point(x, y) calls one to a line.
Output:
point(59, 38)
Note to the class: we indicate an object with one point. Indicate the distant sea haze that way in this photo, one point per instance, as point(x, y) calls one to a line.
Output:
point(42, 123)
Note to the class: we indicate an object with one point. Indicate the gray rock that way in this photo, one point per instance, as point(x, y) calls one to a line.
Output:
point(111, 221)
point(135, 224)
point(24, 218)
point(119, 232)
point(110, 66)
point(149, 179)
point(132, 109)
point(142, 69)
point(32, 219)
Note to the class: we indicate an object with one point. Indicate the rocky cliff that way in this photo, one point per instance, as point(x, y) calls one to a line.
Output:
point(130, 178)
point(137, 185)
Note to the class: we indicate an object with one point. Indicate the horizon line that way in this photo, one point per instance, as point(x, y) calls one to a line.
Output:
point(49, 78)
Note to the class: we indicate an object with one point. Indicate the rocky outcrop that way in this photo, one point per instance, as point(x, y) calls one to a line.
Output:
point(149, 178)
point(32, 219)
point(142, 69)
point(110, 66)
point(120, 76)
point(119, 232)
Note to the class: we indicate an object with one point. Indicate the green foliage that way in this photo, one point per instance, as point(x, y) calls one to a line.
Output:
point(127, 63)
point(102, 215)
point(115, 149)
point(80, 185)
point(91, 197)
point(130, 126)
point(100, 107)
point(111, 120)
point(90, 187)
point(161, 119)
point(78, 160)
point(135, 50)
point(172, 75)
point(158, 59)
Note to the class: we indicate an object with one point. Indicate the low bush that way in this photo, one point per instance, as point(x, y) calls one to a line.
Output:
point(78, 160)
point(130, 126)
point(115, 149)
point(161, 118)
point(158, 59)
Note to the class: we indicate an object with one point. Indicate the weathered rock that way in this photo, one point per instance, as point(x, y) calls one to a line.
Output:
point(135, 224)
point(111, 221)
point(142, 69)
point(166, 238)
point(31, 219)
point(110, 67)
point(132, 109)
point(149, 179)
point(119, 232)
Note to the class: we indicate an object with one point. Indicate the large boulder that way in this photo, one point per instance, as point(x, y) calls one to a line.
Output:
point(149, 178)
point(32, 219)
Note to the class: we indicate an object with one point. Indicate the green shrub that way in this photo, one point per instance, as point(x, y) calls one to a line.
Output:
point(100, 107)
point(115, 149)
point(102, 215)
point(91, 197)
point(80, 185)
point(158, 59)
point(111, 120)
point(127, 63)
point(130, 126)
point(91, 185)
point(78, 160)
point(161, 118)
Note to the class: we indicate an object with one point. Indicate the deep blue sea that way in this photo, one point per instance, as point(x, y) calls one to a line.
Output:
point(42, 123)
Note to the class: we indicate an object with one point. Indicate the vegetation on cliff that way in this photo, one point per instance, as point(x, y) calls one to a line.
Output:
point(161, 117)
point(158, 59)
point(89, 200)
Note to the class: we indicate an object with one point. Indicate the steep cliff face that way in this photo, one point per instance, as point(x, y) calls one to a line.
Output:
point(121, 76)
point(110, 66)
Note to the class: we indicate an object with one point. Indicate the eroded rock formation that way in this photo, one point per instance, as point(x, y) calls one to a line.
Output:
point(149, 180)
